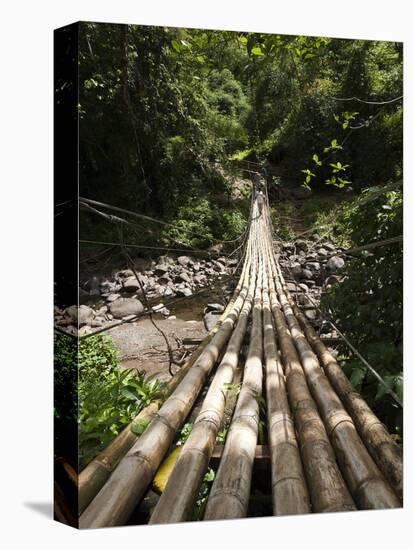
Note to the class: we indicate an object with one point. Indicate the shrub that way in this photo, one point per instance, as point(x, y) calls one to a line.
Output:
point(372, 319)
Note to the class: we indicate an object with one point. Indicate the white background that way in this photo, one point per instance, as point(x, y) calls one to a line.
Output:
point(26, 99)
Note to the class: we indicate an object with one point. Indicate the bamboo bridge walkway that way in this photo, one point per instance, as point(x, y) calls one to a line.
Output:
point(327, 450)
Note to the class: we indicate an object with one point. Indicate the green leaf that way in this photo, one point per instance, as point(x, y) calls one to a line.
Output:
point(176, 46)
point(257, 51)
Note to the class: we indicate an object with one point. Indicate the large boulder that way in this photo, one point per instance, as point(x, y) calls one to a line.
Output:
point(122, 307)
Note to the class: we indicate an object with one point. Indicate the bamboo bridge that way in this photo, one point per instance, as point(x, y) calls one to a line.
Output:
point(327, 451)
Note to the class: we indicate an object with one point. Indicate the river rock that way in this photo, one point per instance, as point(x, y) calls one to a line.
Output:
point(210, 319)
point(185, 261)
point(335, 263)
point(297, 272)
point(131, 284)
point(112, 297)
point(125, 273)
point(307, 274)
point(182, 277)
point(214, 307)
point(166, 260)
point(313, 266)
point(164, 280)
point(80, 315)
point(301, 244)
point(200, 279)
point(311, 314)
point(123, 307)
point(169, 291)
point(184, 292)
point(218, 266)
point(161, 269)
point(303, 300)
point(329, 246)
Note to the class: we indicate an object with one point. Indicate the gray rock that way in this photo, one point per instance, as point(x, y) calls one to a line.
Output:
point(131, 284)
point(210, 319)
point(112, 297)
point(169, 291)
point(64, 322)
point(80, 315)
point(167, 260)
point(122, 307)
point(164, 280)
point(322, 252)
point(200, 279)
point(311, 314)
point(185, 261)
point(125, 273)
point(232, 261)
point(335, 263)
point(183, 277)
point(214, 307)
point(329, 246)
point(97, 322)
point(307, 274)
point(184, 292)
point(301, 244)
point(303, 300)
point(313, 266)
point(297, 273)
point(218, 266)
point(161, 269)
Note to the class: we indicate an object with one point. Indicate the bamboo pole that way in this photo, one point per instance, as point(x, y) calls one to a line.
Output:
point(328, 490)
point(97, 472)
point(177, 500)
point(125, 487)
point(385, 451)
point(289, 487)
point(365, 481)
point(230, 491)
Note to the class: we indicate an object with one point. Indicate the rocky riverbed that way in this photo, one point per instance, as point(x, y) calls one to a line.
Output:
point(113, 302)
point(311, 266)
point(104, 301)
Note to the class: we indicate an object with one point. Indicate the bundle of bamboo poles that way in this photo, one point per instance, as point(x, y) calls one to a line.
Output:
point(328, 451)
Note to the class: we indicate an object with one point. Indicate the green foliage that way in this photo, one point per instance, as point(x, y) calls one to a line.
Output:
point(202, 499)
point(65, 378)
point(373, 318)
point(109, 397)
